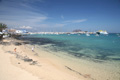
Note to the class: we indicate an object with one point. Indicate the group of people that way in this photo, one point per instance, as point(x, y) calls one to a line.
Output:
point(32, 49)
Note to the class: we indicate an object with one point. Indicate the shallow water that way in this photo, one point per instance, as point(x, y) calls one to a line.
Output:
point(96, 56)
point(103, 47)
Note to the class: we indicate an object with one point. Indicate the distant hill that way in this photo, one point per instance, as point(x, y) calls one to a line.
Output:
point(77, 30)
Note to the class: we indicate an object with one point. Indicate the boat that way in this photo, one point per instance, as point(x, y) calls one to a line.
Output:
point(102, 32)
point(87, 34)
point(118, 35)
point(5, 36)
point(1, 33)
point(96, 34)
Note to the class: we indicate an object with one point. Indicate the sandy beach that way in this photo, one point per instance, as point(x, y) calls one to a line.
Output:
point(59, 39)
point(34, 62)
point(24, 64)
point(8, 70)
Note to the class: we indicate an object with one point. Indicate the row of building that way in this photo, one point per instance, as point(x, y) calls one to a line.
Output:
point(8, 32)
point(14, 31)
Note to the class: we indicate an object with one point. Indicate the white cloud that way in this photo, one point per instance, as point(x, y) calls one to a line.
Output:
point(59, 25)
point(43, 25)
point(76, 21)
point(26, 27)
point(36, 19)
point(62, 16)
point(20, 12)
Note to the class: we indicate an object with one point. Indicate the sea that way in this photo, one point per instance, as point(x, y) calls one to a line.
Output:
point(100, 53)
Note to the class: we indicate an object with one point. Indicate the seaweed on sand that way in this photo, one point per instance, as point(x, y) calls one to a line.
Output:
point(84, 75)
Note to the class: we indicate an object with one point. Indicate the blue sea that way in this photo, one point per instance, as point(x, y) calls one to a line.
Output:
point(96, 56)
point(99, 48)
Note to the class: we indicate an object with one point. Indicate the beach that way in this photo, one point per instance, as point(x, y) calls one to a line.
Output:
point(59, 39)
point(17, 66)
point(38, 62)
point(8, 70)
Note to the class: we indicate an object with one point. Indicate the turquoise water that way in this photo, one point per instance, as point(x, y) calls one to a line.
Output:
point(100, 48)
point(97, 56)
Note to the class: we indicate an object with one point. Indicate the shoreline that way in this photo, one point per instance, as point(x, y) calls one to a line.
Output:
point(47, 65)
point(7, 70)
point(42, 68)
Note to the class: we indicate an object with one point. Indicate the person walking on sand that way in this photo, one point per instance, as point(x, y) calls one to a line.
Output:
point(15, 49)
point(32, 49)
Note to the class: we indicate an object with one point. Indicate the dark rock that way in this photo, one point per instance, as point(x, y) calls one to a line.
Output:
point(27, 60)
point(33, 63)
point(17, 43)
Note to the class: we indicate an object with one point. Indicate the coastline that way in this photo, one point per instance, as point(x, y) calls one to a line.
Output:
point(7, 70)
point(42, 69)
point(47, 65)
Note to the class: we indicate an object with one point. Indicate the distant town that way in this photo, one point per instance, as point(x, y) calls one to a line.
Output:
point(8, 32)
point(5, 32)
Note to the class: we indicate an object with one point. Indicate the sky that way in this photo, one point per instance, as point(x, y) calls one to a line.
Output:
point(61, 15)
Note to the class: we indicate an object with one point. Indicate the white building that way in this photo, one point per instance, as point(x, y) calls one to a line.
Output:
point(21, 31)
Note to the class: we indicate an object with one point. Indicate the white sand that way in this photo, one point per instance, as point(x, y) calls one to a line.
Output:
point(11, 72)
point(12, 68)
point(51, 66)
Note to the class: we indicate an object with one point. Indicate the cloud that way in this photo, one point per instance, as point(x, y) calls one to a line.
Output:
point(36, 19)
point(43, 25)
point(22, 20)
point(17, 13)
point(21, 12)
point(25, 27)
point(59, 25)
point(62, 16)
point(76, 21)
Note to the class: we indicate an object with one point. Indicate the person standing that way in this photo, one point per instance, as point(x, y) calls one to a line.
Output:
point(15, 49)
point(32, 49)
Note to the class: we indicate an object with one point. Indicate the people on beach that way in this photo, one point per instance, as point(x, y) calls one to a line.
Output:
point(33, 49)
point(15, 49)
